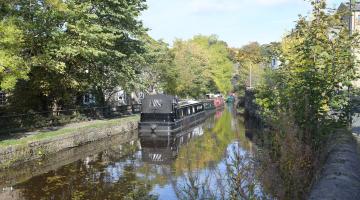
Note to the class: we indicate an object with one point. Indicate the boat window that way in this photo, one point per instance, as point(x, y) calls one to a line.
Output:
point(193, 108)
point(199, 108)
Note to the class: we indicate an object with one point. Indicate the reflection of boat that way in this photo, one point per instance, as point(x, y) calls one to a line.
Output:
point(164, 149)
point(163, 115)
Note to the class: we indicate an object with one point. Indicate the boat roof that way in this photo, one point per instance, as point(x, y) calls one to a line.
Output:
point(188, 103)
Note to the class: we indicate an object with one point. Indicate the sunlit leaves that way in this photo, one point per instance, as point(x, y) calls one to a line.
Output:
point(204, 65)
point(12, 65)
point(318, 67)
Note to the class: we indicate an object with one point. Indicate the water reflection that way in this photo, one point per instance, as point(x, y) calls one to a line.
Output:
point(210, 161)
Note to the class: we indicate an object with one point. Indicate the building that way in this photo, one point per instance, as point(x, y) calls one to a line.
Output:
point(353, 21)
point(275, 63)
point(115, 97)
point(119, 97)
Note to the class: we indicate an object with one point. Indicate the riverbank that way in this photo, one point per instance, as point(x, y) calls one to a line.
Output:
point(120, 145)
point(43, 143)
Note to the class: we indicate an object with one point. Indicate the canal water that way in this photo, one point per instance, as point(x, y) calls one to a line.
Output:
point(213, 160)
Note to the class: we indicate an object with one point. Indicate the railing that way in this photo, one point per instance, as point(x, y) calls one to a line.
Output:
point(27, 121)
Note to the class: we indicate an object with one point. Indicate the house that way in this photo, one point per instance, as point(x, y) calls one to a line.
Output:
point(119, 97)
point(353, 22)
point(115, 97)
point(275, 63)
point(88, 99)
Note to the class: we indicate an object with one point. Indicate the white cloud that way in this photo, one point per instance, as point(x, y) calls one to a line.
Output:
point(206, 6)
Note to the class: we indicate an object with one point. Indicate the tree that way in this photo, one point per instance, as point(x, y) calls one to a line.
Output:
point(75, 46)
point(204, 66)
point(253, 60)
point(191, 62)
point(12, 65)
point(102, 46)
point(158, 72)
point(318, 66)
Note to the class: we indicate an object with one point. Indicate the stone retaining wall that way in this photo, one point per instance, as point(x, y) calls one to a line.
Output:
point(13, 155)
point(115, 147)
point(340, 175)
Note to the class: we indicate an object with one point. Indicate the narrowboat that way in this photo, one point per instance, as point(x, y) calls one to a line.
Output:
point(230, 99)
point(214, 103)
point(164, 115)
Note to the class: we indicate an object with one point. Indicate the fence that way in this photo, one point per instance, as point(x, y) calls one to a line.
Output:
point(21, 122)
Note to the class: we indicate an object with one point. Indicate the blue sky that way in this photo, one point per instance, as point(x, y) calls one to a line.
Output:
point(237, 22)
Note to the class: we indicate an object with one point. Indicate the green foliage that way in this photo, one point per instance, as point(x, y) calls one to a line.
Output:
point(157, 72)
point(318, 67)
point(54, 51)
point(70, 47)
point(203, 65)
point(253, 60)
point(12, 65)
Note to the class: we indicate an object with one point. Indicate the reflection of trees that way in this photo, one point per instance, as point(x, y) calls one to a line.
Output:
point(202, 174)
point(208, 149)
point(240, 175)
point(216, 165)
point(93, 178)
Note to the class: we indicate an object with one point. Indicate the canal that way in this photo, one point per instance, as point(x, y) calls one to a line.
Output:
point(213, 160)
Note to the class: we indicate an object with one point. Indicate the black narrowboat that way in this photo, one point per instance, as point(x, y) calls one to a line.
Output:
point(164, 115)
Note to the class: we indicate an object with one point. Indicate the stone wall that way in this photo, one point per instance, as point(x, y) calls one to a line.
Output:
point(13, 155)
point(20, 173)
point(339, 177)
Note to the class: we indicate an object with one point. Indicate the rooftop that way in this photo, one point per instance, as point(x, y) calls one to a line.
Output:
point(356, 6)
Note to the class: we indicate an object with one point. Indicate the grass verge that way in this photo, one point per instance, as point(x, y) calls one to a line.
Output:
point(66, 130)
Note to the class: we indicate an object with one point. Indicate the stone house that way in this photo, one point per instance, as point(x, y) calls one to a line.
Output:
point(353, 22)
point(115, 97)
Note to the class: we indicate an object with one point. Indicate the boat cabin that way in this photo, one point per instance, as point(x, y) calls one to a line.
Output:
point(166, 114)
point(163, 108)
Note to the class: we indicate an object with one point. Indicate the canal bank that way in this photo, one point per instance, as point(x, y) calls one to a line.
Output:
point(339, 176)
point(336, 172)
point(201, 164)
point(118, 145)
point(44, 143)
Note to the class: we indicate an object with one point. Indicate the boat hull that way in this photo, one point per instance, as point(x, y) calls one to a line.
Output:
point(161, 129)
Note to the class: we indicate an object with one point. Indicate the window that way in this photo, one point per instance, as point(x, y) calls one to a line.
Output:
point(88, 99)
point(357, 19)
point(2, 98)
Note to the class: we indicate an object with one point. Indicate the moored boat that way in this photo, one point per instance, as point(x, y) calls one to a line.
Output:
point(214, 102)
point(164, 115)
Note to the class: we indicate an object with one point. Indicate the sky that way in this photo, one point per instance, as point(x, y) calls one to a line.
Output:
point(236, 22)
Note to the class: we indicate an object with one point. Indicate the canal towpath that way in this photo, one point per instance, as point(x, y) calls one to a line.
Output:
point(21, 147)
